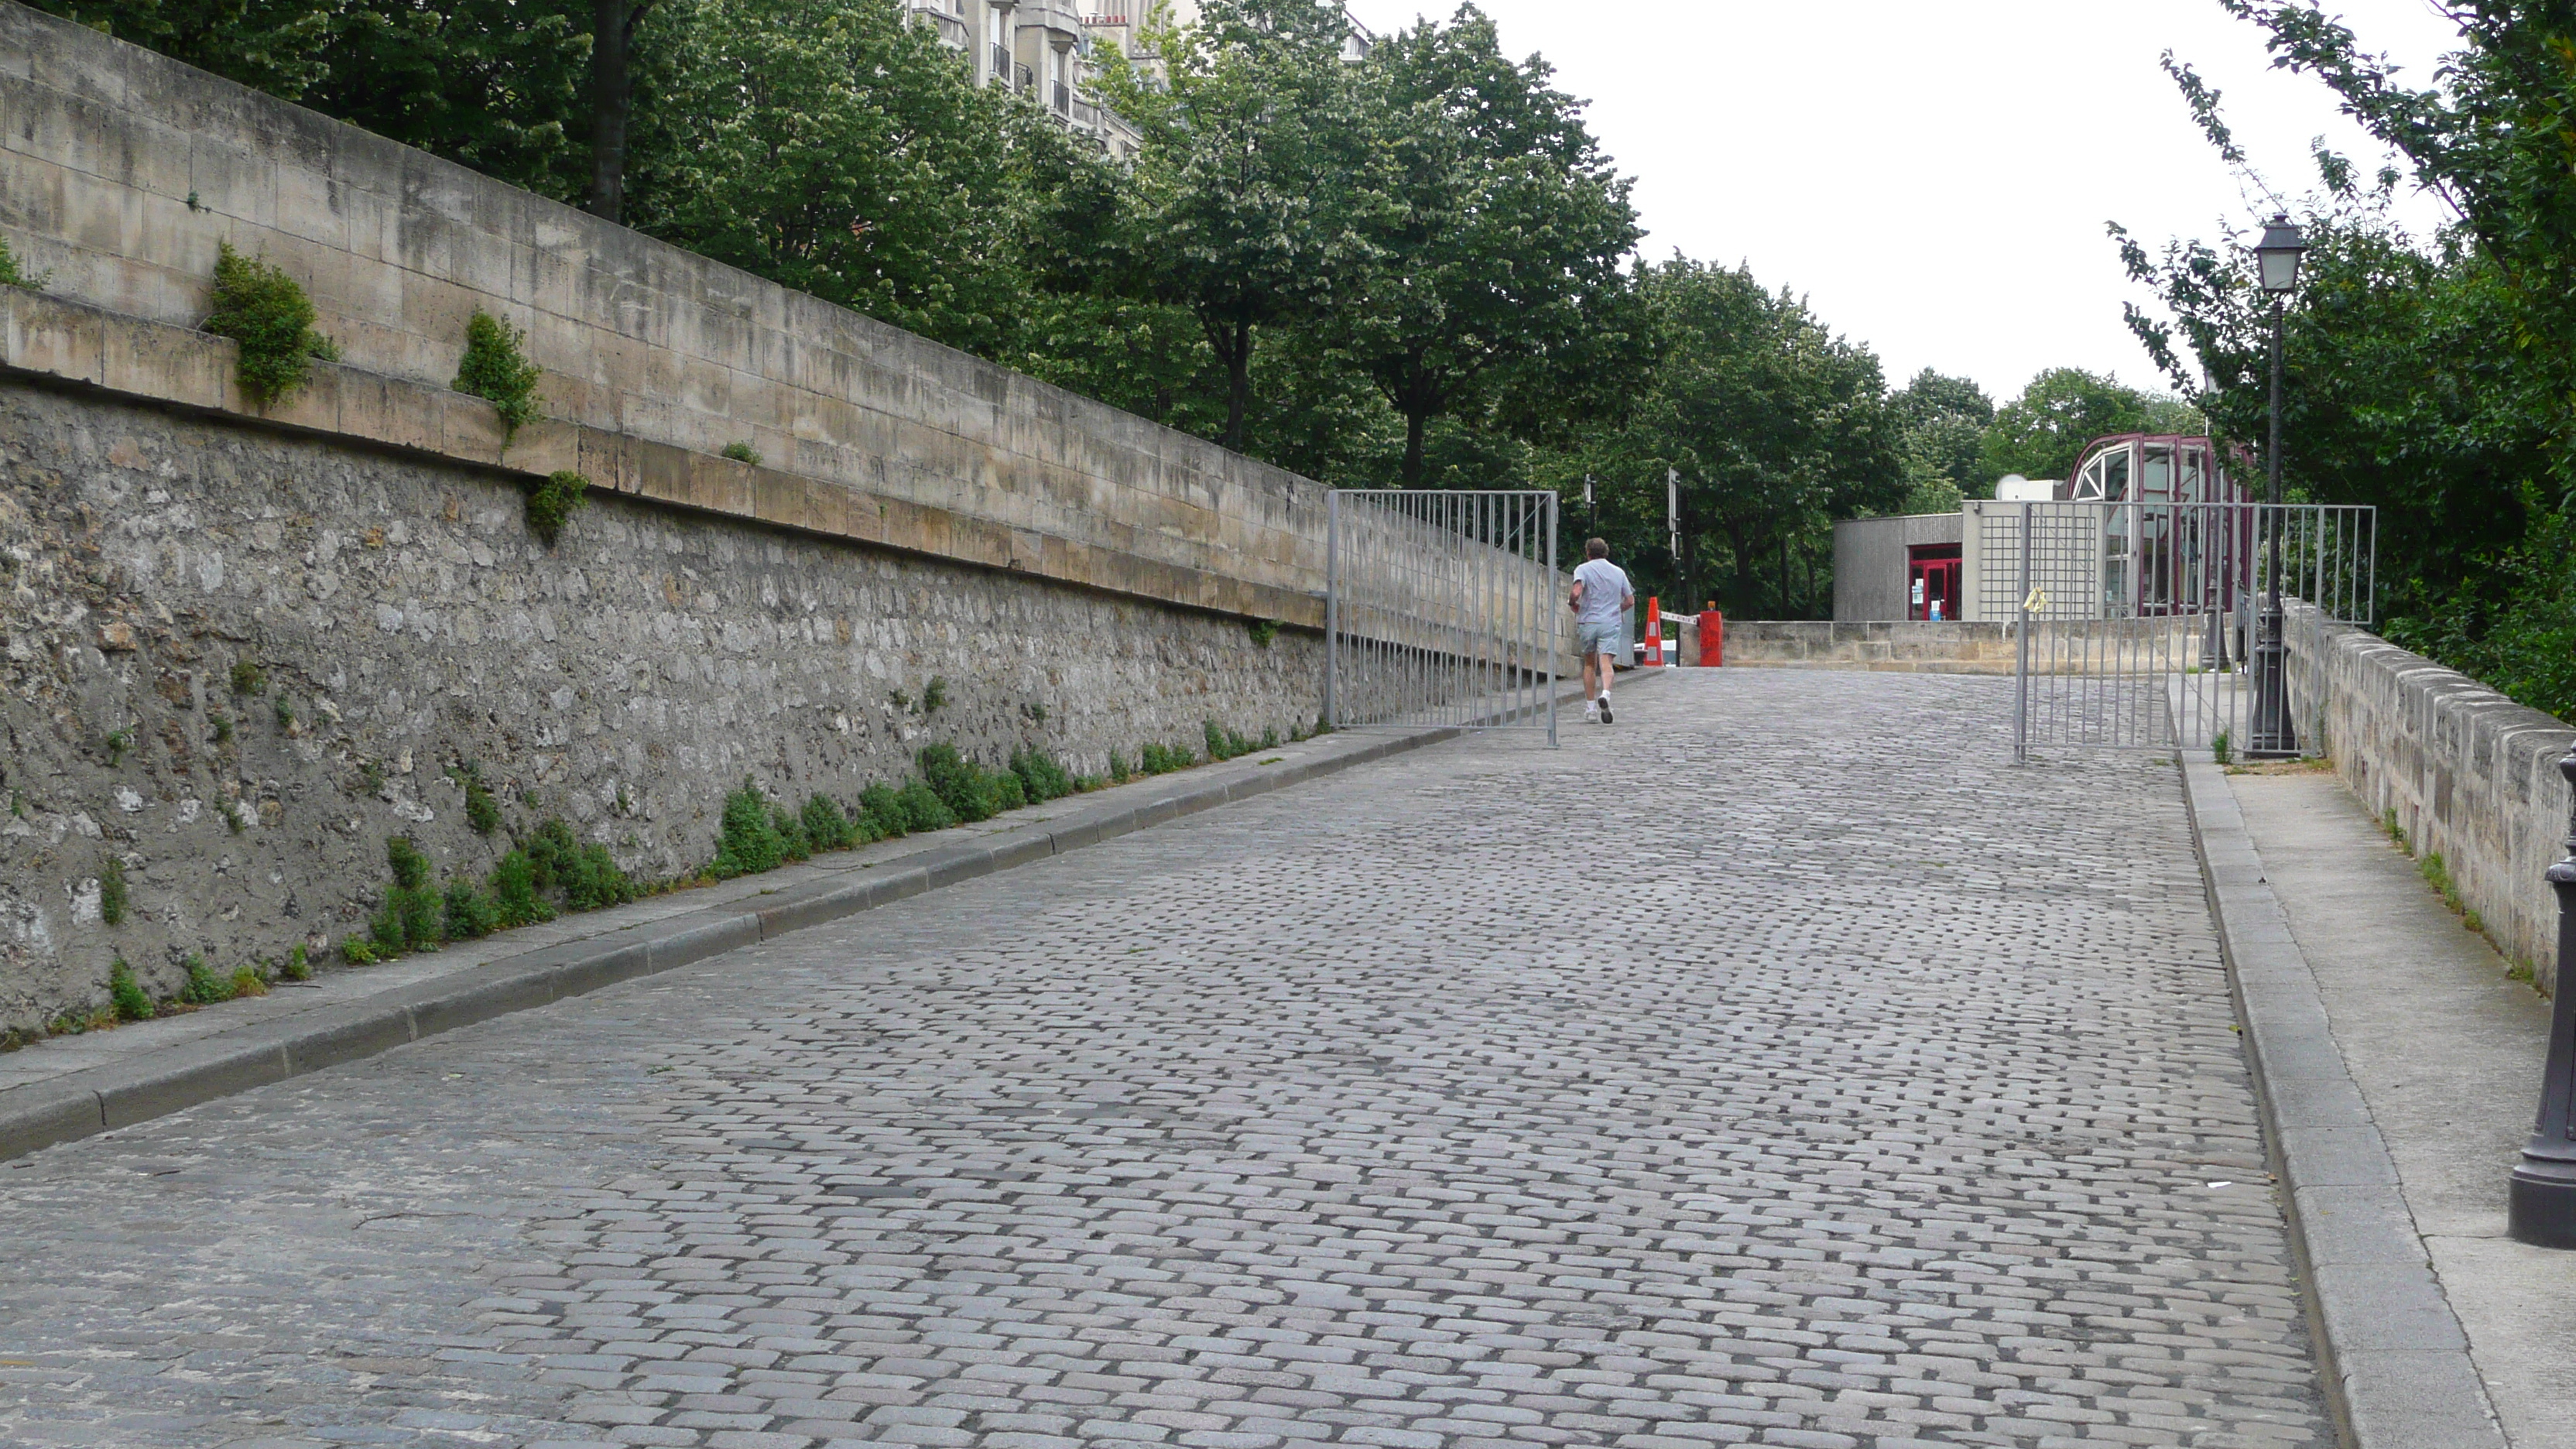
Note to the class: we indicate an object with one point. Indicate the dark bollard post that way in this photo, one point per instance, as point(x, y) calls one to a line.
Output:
point(2543, 1204)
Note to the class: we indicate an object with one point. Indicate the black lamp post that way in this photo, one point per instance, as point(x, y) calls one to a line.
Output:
point(2541, 1208)
point(2276, 270)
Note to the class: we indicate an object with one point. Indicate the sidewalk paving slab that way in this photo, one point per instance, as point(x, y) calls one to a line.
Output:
point(71, 1087)
point(2396, 1358)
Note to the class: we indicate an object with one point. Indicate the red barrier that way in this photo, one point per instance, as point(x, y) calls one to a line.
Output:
point(1712, 636)
point(1654, 656)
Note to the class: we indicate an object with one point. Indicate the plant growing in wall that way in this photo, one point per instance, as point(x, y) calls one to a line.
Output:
point(12, 275)
point(496, 370)
point(551, 503)
point(266, 312)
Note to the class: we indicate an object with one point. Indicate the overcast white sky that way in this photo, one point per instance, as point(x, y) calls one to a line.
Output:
point(1935, 174)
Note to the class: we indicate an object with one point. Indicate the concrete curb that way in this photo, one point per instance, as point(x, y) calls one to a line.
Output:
point(2393, 1356)
point(81, 1103)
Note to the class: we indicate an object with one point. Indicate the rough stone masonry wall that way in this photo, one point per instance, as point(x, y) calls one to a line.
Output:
point(402, 609)
point(2466, 771)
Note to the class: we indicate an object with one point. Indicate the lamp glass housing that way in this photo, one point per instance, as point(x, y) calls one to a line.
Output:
point(2276, 258)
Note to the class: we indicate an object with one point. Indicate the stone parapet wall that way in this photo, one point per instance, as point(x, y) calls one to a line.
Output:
point(2462, 769)
point(399, 608)
point(121, 171)
point(1926, 648)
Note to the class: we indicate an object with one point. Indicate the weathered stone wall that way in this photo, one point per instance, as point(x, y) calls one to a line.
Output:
point(1945, 648)
point(2466, 771)
point(402, 610)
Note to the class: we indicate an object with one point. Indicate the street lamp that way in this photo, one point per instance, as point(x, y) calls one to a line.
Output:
point(2276, 271)
point(2541, 1205)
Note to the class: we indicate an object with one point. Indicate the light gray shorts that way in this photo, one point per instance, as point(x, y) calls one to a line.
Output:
point(1591, 639)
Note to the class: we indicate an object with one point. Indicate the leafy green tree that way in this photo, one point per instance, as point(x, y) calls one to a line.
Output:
point(1241, 207)
point(1776, 426)
point(831, 147)
point(1497, 241)
point(2042, 433)
point(1944, 421)
point(277, 46)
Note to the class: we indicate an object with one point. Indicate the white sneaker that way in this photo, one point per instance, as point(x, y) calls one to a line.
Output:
point(1605, 709)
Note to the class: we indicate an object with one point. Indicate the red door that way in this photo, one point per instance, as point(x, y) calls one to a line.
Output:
point(1932, 586)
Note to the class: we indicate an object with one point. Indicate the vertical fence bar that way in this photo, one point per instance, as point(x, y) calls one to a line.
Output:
point(2021, 670)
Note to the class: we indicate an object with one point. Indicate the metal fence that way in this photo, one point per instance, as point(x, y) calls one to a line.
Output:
point(2137, 623)
point(1443, 607)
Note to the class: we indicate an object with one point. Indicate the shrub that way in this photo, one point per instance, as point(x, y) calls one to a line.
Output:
point(247, 981)
point(552, 501)
point(111, 891)
point(127, 994)
point(12, 275)
point(1119, 770)
point(204, 987)
point(1040, 776)
point(598, 883)
point(553, 856)
point(2219, 748)
point(970, 791)
point(1163, 759)
point(495, 370)
point(1225, 744)
point(357, 951)
point(793, 844)
point(882, 807)
point(414, 906)
point(742, 452)
point(299, 966)
point(514, 891)
point(747, 839)
point(468, 912)
point(826, 828)
point(267, 314)
point(923, 809)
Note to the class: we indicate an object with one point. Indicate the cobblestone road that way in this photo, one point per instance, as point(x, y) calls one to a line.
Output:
point(1395, 1110)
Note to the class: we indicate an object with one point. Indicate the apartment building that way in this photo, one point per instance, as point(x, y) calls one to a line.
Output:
point(1048, 50)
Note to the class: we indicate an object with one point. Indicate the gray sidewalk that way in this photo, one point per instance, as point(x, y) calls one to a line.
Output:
point(2446, 1052)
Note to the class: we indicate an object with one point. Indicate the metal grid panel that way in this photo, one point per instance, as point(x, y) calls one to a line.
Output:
point(1443, 607)
point(2135, 621)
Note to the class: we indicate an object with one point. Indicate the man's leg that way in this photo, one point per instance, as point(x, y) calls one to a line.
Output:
point(1607, 669)
point(1591, 689)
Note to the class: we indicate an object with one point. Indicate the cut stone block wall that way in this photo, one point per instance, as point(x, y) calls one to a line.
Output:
point(1945, 648)
point(2464, 770)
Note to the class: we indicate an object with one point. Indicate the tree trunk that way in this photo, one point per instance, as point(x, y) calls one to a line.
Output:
point(1787, 610)
point(612, 101)
point(1415, 424)
point(1743, 567)
point(1238, 383)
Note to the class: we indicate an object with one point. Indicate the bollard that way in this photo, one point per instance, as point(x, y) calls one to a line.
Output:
point(2541, 1208)
point(1654, 633)
point(1712, 636)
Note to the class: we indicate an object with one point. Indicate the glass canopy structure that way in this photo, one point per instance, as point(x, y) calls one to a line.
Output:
point(2166, 552)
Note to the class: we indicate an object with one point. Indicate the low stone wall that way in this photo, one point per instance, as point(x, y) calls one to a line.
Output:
point(398, 608)
point(1946, 648)
point(2465, 771)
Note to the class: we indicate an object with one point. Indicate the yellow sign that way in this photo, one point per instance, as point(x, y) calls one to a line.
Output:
point(2037, 601)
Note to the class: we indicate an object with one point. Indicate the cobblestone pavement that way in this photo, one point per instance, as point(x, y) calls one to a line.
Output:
point(1776, 1066)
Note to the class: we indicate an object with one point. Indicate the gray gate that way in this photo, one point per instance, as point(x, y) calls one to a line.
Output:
point(2138, 625)
point(1443, 607)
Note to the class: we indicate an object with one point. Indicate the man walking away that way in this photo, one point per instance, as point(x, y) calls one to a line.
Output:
point(1600, 601)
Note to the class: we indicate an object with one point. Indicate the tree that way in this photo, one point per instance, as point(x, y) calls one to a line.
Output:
point(278, 46)
point(2042, 433)
point(1242, 204)
point(831, 147)
point(612, 100)
point(1944, 420)
point(1776, 426)
point(1496, 244)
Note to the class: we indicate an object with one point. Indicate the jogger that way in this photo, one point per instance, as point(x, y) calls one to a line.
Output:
point(1600, 601)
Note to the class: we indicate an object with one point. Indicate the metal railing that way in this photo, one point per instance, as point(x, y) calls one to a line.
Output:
point(1443, 607)
point(2136, 623)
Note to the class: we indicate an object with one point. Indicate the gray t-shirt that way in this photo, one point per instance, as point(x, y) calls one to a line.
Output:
point(1605, 584)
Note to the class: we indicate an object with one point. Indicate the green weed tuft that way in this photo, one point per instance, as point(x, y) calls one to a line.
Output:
point(266, 312)
point(13, 275)
point(1262, 631)
point(1119, 771)
point(248, 981)
point(1156, 759)
point(1041, 778)
point(482, 812)
point(496, 370)
point(970, 791)
point(127, 994)
point(111, 891)
point(2221, 750)
point(248, 678)
point(468, 912)
point(742, 452)
point(1225, 744)
point(793, 843)
point(299, 966)
point(358, 951)
point(515, 901)
point(118, 742)
point(747, 839)
point(204, 987)
point(882, 807)
point(933, 695)
point(285, 714)
point(923, 809)
point(826, 828)
point(552, 502)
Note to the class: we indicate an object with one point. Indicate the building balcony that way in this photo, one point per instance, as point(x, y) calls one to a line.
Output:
point(1058, 18)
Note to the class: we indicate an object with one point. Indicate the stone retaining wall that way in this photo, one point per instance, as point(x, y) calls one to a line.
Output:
point(409, 622)
point(2466, 771)
point(1946, 648)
